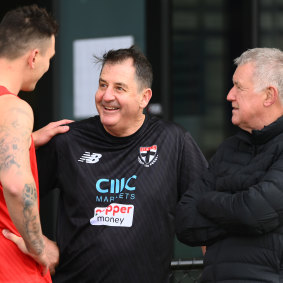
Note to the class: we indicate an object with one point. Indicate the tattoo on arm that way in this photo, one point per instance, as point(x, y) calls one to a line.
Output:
point(14, 137)
point(31, 220)
point(9, 148)
point(8, 162)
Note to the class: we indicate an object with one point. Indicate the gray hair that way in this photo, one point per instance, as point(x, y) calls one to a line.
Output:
point(268, 67)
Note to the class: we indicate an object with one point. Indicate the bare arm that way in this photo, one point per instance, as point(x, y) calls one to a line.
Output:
point(19, 187)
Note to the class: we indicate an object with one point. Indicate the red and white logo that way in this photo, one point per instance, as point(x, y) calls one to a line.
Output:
point(115, 214)
point(148, 155)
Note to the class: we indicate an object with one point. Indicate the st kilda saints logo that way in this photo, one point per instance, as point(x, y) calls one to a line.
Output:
point(148, 155)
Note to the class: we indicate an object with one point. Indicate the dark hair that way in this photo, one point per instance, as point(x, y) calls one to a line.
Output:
point(23, 26)
point(142, 65)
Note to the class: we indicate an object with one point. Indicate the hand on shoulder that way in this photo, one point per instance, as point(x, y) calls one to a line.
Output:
point(45, 134)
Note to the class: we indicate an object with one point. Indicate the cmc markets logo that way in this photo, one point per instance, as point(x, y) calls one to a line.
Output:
point(123, 188)
point(148, 155)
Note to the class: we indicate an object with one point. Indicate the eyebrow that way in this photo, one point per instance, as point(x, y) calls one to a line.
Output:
point(235, 82)
point(116, 83)
point(122, 85)
point(102, 80)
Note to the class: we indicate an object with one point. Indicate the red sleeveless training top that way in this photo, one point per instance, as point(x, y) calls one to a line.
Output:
point(14, 265)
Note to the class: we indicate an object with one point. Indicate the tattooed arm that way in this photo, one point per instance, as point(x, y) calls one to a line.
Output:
point(16, 123)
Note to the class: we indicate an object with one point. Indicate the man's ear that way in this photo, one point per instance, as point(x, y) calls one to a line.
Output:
point(146, 96)
point(271, 96)
point(32, 58)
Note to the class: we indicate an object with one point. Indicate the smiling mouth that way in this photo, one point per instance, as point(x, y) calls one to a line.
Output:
point(110, 108)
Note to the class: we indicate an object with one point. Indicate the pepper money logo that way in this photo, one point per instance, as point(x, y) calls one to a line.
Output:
point(148, 155)
point(115, 214)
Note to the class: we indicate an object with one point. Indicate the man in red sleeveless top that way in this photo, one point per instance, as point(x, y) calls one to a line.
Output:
point(27, 43)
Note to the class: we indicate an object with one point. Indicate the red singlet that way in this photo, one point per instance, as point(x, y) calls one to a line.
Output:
point(15, 266)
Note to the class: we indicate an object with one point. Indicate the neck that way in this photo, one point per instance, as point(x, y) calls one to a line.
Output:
point(11, 75)
point(272, 115)
point(126, 131)
point(267, 118)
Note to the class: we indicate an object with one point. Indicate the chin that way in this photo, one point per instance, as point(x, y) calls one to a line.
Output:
point(234, 121)
point(107, 121)
point(30, 88)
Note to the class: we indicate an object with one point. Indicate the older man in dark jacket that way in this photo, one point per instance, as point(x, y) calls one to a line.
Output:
point(237, 207)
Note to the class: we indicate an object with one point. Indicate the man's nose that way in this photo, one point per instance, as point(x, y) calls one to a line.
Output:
point(108, 94)
point(231, 94)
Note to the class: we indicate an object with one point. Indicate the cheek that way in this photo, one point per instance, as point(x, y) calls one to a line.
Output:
point(45, 64)
point(98, 96)
point(43, 69)
point(46, 69)
point(48, 64)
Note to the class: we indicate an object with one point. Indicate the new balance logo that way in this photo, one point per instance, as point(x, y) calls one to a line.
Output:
point(88, 157)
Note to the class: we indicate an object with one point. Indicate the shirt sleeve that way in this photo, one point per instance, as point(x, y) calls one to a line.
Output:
point(47, 167)
point(192, 164)
point(192, 228)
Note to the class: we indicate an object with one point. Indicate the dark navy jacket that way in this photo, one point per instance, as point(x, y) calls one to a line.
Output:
point(237, 209)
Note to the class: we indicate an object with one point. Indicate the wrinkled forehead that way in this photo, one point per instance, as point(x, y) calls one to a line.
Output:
point(244, 71)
